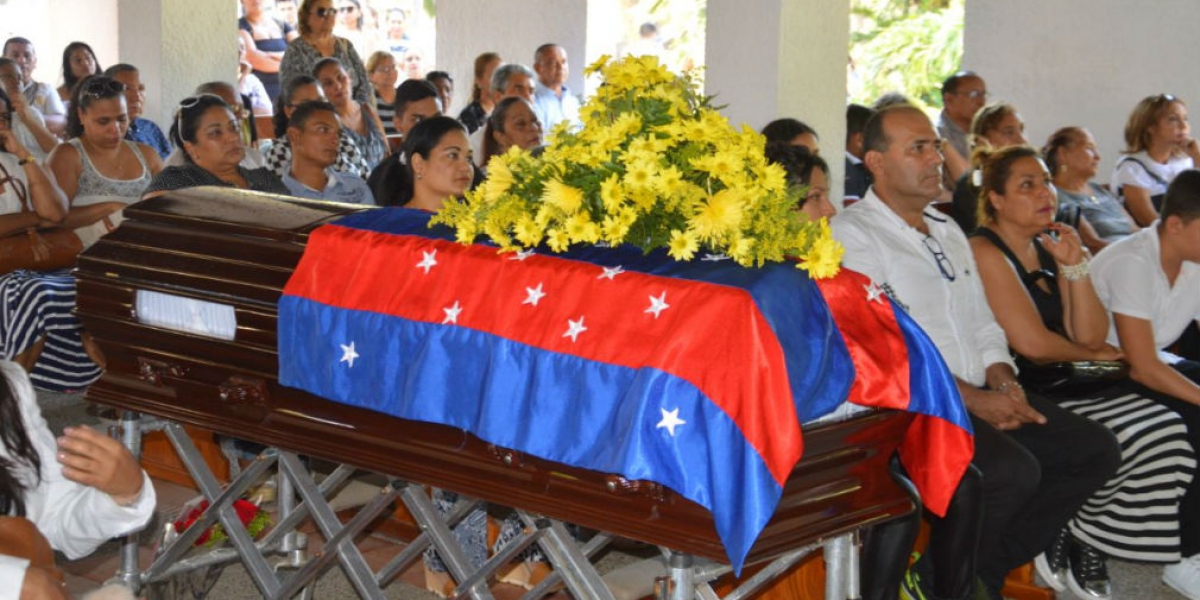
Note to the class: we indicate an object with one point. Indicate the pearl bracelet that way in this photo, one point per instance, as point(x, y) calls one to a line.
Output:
point(1075, 272)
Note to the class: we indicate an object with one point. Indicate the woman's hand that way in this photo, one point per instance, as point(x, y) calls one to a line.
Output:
point(10, 144)
point(1108, 352)
point(93, 459)
point(1068, 248)
point(1192, 148)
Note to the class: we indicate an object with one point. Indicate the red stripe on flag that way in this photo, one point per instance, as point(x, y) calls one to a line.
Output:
point(710, 335)
point(935, 452)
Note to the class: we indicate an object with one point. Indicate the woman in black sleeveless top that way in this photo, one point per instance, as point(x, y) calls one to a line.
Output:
point(1035, 276)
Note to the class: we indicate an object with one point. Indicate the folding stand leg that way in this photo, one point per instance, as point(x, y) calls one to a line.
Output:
point(837, 559)
point(423, 511)
point(339, 538)
point(563, 552)
point(127, 574)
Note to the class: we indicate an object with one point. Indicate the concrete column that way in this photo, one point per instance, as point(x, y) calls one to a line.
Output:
point(513, 28)
point(783, 58)
point(1083, 62)
point(177, 44)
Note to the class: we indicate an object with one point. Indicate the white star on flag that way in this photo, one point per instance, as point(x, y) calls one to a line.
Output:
point(874, 293)
point(428, 262)
point(710, 257)
point(348, 354)
point(574, 328)
point(534, 295)
point(521, 255)
point(670, 420)
point(452, 313)
point(657, 305)
point(611, 272)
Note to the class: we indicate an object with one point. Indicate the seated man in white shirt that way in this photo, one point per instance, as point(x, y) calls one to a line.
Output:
point(1150, 282)
point(1039, 462)
point(315, 136)
point(554, 101)
point(40, 95)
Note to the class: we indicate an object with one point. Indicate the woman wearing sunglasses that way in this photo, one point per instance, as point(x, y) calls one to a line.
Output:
point(317, 41)
point(1036, 277)
point(210, 138)
point(97, 168)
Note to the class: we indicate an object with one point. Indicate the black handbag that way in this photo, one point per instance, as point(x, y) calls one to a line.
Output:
point(1071, 378)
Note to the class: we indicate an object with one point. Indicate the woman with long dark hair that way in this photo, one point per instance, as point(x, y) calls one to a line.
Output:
point(78, 63)
point(76, 492)
point(97, 168)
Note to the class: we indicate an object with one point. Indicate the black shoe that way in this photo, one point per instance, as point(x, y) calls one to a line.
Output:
point(1052, 564)
point(1088, 578)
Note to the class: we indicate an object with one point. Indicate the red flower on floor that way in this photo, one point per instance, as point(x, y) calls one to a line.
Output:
point(251, 516)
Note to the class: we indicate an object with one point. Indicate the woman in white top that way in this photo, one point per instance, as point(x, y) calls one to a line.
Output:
point(78, 491)
point(98, 169)
point(1158, 145)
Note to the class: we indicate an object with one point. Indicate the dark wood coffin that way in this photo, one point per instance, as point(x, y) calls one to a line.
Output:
point(239, 248)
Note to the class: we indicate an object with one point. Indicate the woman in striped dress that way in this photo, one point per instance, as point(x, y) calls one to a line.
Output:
point(1035, 275)
point(36, 325)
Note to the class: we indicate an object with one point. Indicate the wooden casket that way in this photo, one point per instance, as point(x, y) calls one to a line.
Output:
point(236, 250)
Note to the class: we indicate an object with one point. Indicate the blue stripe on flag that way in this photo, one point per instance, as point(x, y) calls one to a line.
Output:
point(534, 401)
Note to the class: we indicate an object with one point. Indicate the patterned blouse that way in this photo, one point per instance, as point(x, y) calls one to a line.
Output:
point(301, 57)
point(192, 175)
point(349, 160)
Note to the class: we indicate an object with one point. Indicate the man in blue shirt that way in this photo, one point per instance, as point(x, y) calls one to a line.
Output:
point(313, 132)
point(140, 130)
point(554, 102)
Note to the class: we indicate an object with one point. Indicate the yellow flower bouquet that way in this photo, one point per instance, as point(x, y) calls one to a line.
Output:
point(654, 165)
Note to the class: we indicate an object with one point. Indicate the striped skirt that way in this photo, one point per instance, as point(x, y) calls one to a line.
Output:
point(37, 305)
point(1135, 516)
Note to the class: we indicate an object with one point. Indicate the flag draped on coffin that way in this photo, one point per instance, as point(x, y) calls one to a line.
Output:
point(694, 375)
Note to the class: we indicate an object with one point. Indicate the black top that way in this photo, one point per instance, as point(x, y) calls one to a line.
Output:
point(191, 175)
point(1048, 303)
point(473, 116)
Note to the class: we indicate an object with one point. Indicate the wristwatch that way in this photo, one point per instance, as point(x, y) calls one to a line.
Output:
point(28, 159)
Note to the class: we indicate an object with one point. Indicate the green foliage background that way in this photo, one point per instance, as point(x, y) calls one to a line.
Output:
point(906, 46)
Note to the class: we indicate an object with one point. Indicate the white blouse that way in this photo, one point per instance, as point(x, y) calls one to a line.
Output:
point(75, 518)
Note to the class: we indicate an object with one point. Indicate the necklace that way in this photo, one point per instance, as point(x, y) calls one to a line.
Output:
point(114, 162)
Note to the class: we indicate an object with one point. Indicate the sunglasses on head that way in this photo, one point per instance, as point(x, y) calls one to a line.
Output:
point(103, 88)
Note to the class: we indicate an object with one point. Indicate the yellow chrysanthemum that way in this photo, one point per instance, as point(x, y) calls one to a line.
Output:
point(527, 232)
point(581, 229)
point(610, 193)
point(566, 198)
point(639, 176)
point(614, 229)
point(823, 259)
point(719, 215)
point(557, 239)
point(499, 181)
point(683, 245)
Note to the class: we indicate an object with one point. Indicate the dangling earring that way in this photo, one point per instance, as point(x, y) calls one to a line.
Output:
point(420, 175)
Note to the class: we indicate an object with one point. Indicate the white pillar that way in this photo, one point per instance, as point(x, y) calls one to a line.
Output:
point(783, 58)
point(513, 28)
point(177, 45)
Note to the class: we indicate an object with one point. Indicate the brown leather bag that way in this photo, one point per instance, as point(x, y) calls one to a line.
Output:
point(35, 249)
